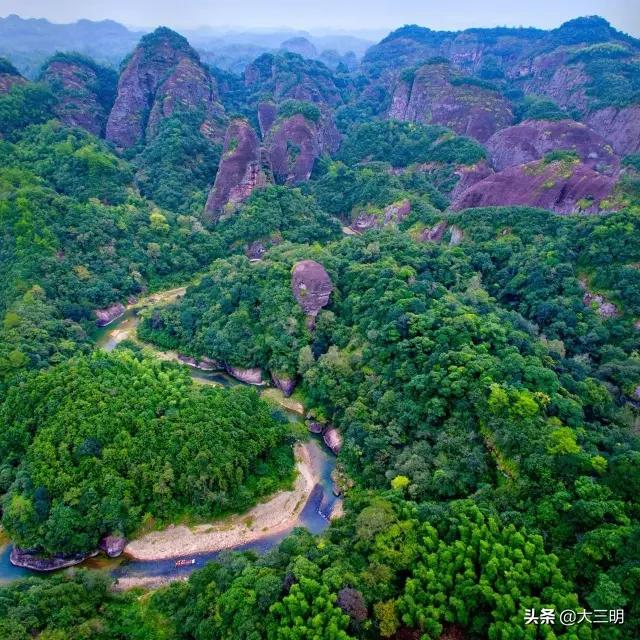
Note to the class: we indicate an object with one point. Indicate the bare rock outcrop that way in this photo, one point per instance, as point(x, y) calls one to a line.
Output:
point(311, 287)
point(391, 214)
point(436, 95)
point(333, 439)
point(267, 115)
point(113, 546)
point(239, 173)
point(620, 127)
point(562, 186)
point(162, 75)
point(294, 143)
point(106, 316)
point(435, 233)
point(9, 76)
point(33, 560)
point(84, 91)
point(532, 139)
point(468, 175)
point(285, 383)
point(248, 376)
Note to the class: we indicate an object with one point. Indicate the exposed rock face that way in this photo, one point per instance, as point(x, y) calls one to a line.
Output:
point(285, 384)
point(249, 376)
point(598, 302)
point(9, 76)
point(239, 173)
point(106, 316)
point(32, 560)
point(113, 546)
point(311, 287)
point(164, 74)
point(603, 307)
point(315, 427)
point(549, 75)
point(392, 214)
point(205, 364)
point(561, 186)
point(457, 235)
point(435, 233)
point(267, 115)
point(468, 175)
point(273, 74)
point(292, 149)
point(438, 96)
point(620, 127)
point(293, 144)
point(532, 139)
point(84, 92)
point(332, 439)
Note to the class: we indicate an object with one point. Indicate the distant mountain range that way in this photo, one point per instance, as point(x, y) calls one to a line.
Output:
point(29, 42)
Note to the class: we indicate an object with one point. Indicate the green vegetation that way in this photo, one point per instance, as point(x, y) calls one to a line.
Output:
point(488, 408)
point(103, 85)
point(177, 167)
point(153, 445)
point(291, 107)
point(405, 143)
point(539, 108)
point(23, 105)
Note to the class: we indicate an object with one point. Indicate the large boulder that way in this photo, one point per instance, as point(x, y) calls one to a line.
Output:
point(333, 439)
point(239, 173)
point(84, 90)
point(468, 175)
point(286, 384)
point(162, 75)
point(311, 287)
point(106, 316)
point(113, 546)
point(563, 186)
point(248, 376)
point(532, 139)
point(30, 559)
point(294, 143)
point(620, 127)
point(435, 94)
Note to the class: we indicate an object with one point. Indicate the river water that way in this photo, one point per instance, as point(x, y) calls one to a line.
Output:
point(314, 516)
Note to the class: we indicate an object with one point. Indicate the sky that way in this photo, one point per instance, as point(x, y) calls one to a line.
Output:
point(319, 15)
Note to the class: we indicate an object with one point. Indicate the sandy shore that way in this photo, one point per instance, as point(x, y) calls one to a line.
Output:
point(277, 515)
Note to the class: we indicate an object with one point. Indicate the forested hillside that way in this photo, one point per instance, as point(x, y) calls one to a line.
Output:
point(432, 261)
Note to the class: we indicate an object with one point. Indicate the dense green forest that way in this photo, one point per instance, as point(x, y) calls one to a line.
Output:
point(482, 366)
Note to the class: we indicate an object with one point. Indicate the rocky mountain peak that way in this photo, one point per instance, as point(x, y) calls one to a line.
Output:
point(162, 75)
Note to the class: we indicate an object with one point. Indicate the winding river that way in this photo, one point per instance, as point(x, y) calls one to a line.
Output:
point(314, 516)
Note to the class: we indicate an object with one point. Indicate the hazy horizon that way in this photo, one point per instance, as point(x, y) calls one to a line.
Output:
point(357, 16)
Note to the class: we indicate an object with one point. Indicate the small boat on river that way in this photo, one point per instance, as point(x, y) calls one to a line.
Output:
point(185, 562)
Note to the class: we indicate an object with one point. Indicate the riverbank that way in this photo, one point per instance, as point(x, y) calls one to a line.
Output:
point(278, 514)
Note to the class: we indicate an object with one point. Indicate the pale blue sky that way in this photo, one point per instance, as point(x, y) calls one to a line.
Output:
point(351, 15)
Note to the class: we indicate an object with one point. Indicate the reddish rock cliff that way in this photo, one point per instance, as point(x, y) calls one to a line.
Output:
point(311, 287)
point(621, 127)
point(163, 74)
point(435, 95)
point(532, 139)
point(84, 91)
point(9, 76)
point(239, 173)
point(561, 186)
